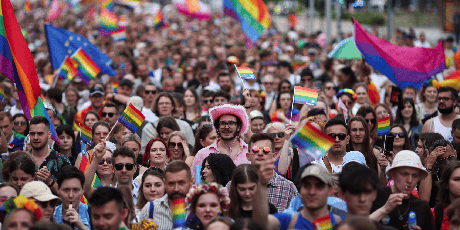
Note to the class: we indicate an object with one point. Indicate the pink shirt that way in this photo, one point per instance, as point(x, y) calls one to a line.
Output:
point(203, 153)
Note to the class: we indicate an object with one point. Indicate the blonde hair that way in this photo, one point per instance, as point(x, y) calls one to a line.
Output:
point(276, 125)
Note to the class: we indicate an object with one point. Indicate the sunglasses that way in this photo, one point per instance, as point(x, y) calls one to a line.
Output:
point(174, 144)
point(108, 161)
point(372, 121)
point(104, 114)
point(20, 122)
point(256, 149)
point(329, 87)
point(208, 101)
point(150, 92)
point(280, 135)
point(44, 204)
point(347, 102)
point(120, 166)
point(205, 78)
point(401, 135)
point(155, 169)
point(341, 136)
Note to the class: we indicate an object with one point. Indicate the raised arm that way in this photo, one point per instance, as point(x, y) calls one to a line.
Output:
point(286, 151)
point(99, 152)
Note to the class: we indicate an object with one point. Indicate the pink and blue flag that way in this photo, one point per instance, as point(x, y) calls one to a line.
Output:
point(405, 66)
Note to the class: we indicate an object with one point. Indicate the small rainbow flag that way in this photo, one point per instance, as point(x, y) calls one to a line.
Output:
point(68, 69)
point(178, 211)
point(323, 223)
point(131, 118)
point(108, 22)
point(2, 94)
point(298, 64)
point(312, 139)
point(87, 68)
point(304, 95)
point(119, 35)
point(115, 86)
point(245, 73)
point(86, 134)
point(107, 4)
point(159, 19)
point(27, 6)
point(384, 126)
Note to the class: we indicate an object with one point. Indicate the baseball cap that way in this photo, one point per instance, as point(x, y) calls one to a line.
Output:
point(354, 156)
point(38, 190)
point(96, 90)
point(319, 172)
point(126, 82)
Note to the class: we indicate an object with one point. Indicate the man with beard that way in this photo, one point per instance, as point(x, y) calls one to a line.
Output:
point(178, 180)
point(226, 84)
point(230, 121)
point(49, 160)
point(442, 124)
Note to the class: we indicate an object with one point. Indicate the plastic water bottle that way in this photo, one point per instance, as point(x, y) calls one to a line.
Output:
point(411, 221)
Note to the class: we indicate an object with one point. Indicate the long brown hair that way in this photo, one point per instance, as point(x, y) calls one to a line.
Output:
point(242, 174)
point(141, 201)
point(443, 194)
point(371, 159)
point(407, 144)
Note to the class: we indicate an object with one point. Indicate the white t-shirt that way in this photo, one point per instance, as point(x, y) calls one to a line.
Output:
point(335, 168)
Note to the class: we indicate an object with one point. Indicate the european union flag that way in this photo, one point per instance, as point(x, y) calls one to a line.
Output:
point(62, 42)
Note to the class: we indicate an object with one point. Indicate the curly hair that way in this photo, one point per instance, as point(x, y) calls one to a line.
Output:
point(222, 167)
point(199, 189)
point(146, 157)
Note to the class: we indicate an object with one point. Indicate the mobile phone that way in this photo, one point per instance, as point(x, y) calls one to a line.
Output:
point(318, 85)
point(389, 144)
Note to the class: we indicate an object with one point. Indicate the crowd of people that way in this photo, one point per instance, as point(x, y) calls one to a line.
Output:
point(214, 150)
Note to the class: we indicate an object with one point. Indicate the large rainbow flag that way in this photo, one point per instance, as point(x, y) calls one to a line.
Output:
point(312, 139)
point(16, 60)
point(253, 16)
point(68, 69)
point(303, 95)
point(87, 68)
point(108, 22)
point(131, 118)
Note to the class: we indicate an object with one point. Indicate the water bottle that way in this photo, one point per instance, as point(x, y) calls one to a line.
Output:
point(411, 221)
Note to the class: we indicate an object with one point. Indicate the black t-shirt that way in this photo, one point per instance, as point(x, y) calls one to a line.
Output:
point(248, 214)
point(421, 209)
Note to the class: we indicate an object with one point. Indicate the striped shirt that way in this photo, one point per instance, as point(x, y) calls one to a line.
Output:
point(162, 214)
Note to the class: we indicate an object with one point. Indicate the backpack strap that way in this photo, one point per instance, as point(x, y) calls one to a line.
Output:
point(295, 163)
point(152, 208)
point(438, 216)
point(327, 163)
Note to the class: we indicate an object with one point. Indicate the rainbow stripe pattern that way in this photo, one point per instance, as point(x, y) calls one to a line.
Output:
point(131, 118)
point(115, 85)
point(87, 68)
point(108, 22)
point(68, 68)
point(298, 64)
point(17, 61)
point(312, 139)
point(27, 6)
point(384, 126)
point(253, 16)
point(322, 223)
point(119, 35)
point(178, 211)
point(108, 4)
point(304, 95)
point(86, 134)
point(245, 73)
point(159, 19)
point(2, 94)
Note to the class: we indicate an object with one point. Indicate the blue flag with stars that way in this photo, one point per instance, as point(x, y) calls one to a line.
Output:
point(62, 42)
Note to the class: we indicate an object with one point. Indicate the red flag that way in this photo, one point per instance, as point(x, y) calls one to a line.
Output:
point(292, 20)
point(54, 11)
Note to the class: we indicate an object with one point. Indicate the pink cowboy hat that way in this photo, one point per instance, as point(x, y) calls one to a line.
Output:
point(236, 110)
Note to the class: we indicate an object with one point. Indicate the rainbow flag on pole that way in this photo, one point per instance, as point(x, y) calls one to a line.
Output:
point(68, 69)
point(86, 135)
point(312, 139)
point(2, 94)
point(384, 126)
point(253, 16)
point(159, 19)
point(131, 118)
point(115, 85)
point(108, 22)
point(245, 73)
point(87, 68)
point(304, 95)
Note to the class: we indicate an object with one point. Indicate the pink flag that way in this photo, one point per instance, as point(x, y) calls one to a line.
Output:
point(341, 105)
point(54, 11)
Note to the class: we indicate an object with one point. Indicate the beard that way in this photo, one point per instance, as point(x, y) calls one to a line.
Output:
point(235, 134)
point(176, 195)
point(40, 146)
point(446, 110)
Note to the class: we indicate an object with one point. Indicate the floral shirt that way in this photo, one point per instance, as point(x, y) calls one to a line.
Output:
point(82, 212)
point(54, 162)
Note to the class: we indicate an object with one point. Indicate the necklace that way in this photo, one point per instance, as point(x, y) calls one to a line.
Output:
point(401, 217)
point(231, 149)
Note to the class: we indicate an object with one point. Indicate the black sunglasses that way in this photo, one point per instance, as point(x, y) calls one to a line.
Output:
point(44, 204)
point(108, 161)
point(341, 136)
point(372, 121)
point(174, 144)
point(150, 92)
point(119, 167)
point(280, 135)
point(104, 114)
point(20, 122)
point(401, 135)
point(155, 169)
point(208, 101)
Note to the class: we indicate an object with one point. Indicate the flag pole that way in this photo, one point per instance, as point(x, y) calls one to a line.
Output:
point(244, 85)
point(111, 130)
point(292, 108)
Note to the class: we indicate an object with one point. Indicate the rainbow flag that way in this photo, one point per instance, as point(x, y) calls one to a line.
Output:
point(68, 69)
point(115, 86)
point(40, 110)
point(17, 61)
point(178, 211)
point(304, 95)
point(245, 73)
point(323, 223)
point(27, 6)
point(312, 139)
point(453, 80)
point(159, 19)
point(298, 64)
point(131, 118)
point(119, 35)
point(108, 4)
point(253, 16)
point(2, 94)
point(87, 68)
point(108, 22)
point(86, 134)
point(384, 126)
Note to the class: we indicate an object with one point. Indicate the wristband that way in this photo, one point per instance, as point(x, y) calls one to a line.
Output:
point(429, 170)
point(51, 185)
